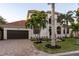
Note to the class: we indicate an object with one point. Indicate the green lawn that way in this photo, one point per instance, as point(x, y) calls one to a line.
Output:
point(68, 45)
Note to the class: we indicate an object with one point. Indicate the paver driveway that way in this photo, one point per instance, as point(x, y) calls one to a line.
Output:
point(18, 47)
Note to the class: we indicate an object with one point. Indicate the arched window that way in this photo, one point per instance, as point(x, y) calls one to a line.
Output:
point(58, 30)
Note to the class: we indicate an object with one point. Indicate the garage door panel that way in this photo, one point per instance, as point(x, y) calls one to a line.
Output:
point(17, 34)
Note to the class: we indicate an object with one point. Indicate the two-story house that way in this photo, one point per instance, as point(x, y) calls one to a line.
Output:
point(59, 29)
point(17, 30)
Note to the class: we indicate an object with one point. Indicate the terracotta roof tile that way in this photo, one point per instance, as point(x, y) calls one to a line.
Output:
point(16, 24)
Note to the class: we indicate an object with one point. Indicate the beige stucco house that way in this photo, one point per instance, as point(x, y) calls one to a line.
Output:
point(59, 29)
point(17, 30)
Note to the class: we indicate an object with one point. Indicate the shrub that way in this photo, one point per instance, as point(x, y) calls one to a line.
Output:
point(63, 38)
point(42, 39)
point(52, 47)
point(46, 39)
point(33, 39)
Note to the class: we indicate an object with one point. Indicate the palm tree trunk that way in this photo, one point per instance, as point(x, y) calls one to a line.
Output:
point(65, 31)
point(77, 38)
point(35, 36)
point(66, 27)
point(53, 24)
point(75, 34)
point(40, 38)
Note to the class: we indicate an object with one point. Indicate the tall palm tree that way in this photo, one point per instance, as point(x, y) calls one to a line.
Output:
point(77, 14)
point(73, 24)
point(64, 19)
point(37, 22)
point(53, 36)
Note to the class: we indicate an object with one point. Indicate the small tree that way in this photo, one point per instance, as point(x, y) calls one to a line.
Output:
point(37, 22)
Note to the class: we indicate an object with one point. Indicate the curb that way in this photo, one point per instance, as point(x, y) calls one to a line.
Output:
point(64, 53)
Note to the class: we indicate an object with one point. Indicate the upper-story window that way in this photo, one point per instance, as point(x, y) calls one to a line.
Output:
point(58, 20)
point(50, 20)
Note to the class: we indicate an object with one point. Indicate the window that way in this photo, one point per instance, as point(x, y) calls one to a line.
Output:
point(67, 30)
point(64, 31)
point(50, 20)
point(58, 20)
point(58, 30)
point(50, 32)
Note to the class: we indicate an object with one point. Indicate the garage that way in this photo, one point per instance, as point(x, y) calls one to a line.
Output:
point(17, 34)
point(16, 30)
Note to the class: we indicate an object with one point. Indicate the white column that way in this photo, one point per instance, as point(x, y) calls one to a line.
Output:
point(5, 34)
point(62, 32)
point(30, 33)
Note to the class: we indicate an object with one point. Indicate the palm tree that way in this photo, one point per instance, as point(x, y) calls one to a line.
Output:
point(75, 26)
point(64, 19)
point(37, 22)
point(75, 29)
point(77, 14)
point(53, 36)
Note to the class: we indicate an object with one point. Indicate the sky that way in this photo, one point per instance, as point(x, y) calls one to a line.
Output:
point(18, 11)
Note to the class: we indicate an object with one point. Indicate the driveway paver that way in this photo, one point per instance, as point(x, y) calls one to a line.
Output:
point(19, 47)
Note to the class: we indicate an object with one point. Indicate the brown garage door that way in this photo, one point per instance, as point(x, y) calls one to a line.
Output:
point(17, 34)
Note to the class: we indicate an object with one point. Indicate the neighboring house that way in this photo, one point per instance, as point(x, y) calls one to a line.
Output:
point(60, 31)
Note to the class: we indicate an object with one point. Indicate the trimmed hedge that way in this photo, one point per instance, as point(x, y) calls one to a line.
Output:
point(42, 39)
